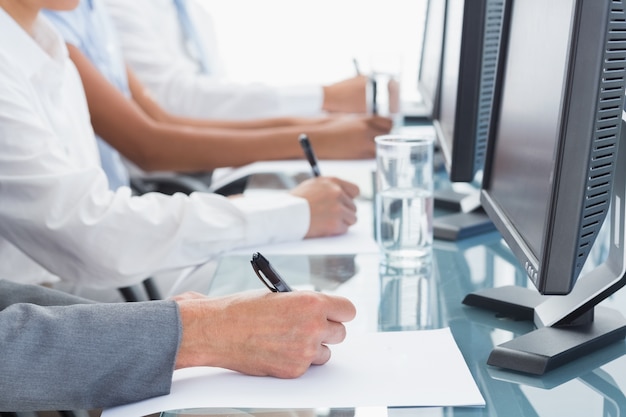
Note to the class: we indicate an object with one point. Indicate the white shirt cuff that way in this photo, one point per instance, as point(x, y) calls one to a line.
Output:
point(273, 220)
point(303, 100)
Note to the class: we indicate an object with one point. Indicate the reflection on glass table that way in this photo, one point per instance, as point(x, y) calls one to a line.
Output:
point(407, 299)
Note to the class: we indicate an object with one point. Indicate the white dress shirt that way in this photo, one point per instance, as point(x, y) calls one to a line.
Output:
point(58, 217)
point(96, 39)
point(156, 49)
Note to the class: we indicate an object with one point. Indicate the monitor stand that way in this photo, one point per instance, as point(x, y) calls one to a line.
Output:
point(468, 218)
point(587, 370)
point(546, 348)
point(568, 326)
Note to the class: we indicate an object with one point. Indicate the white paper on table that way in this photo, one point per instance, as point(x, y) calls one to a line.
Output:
point(356, 171)
point(394, 369)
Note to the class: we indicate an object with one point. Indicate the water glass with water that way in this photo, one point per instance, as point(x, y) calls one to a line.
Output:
point(404, 199)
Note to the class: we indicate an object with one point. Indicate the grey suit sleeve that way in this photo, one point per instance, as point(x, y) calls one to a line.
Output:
point(12, 293)
point(63, 355)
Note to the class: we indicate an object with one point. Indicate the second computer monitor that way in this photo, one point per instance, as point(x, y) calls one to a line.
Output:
point(472, 39)
point(430, 61)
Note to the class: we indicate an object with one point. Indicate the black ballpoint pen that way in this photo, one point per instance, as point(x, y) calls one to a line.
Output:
point(310, 155)
point(357, 68)
point(268, 275)
point(374, 96)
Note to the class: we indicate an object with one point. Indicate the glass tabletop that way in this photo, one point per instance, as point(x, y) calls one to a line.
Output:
point(389, 299)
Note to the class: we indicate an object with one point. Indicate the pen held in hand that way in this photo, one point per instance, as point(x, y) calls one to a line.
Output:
point(310, 155)
point(357, 68)
point(374, 95)
point(267, 274)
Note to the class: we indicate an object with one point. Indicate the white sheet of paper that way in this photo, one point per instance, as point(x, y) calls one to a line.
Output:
point(394, 369)
point(347, 169)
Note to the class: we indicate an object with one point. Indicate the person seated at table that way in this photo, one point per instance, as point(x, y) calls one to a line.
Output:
point(58, 216)
point(109, 354)
point(124, 114)
point(171, 46)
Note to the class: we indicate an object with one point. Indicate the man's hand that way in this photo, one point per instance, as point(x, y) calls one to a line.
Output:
point(261, 333)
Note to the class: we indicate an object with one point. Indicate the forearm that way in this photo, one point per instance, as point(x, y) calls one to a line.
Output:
point(154, 145)
point(157, 146)
point(162, 147)
point(178, 148)
point(105, 354)
point(250, 124)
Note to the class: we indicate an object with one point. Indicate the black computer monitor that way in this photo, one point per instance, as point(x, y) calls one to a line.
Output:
point(429, 73)
point(553, 170)
point(468, 75)
point(469, 70)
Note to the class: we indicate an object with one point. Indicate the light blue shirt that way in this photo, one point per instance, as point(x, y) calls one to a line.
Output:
point(192, 39)
point(89, 28)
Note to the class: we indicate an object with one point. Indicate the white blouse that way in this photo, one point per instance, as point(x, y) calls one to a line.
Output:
point(155, 48)
point(57, 216)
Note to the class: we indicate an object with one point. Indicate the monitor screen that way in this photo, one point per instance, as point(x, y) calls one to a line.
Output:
point(450, 78)
point(548, 176)
point(522, 164)
point(430, 62)
point(469, 68)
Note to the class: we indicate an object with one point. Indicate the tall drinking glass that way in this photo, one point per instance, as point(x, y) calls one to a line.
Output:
point(404, 200)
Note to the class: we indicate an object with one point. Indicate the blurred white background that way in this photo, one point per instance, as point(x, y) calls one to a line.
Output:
point(290, 42)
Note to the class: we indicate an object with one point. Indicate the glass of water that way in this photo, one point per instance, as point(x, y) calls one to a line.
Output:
point(404, 200)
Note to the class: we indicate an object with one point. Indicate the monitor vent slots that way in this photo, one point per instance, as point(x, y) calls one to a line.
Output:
point(491, 44)
point(607, 129)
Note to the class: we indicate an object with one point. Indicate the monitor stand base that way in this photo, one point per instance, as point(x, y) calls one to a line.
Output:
point(550, 347)
point(517, 303)
point(467, 219)
point(546, 348)
point(461, 225)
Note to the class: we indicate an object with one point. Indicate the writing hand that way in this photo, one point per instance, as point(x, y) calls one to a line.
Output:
point(262, 333)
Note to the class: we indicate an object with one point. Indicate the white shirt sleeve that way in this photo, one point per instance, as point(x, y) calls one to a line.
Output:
point(153, 47)
point(59, 212)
